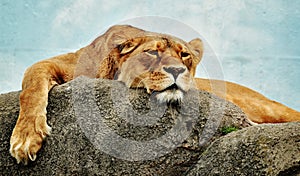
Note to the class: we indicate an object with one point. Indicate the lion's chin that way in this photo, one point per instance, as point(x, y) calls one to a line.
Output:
point(170, 96)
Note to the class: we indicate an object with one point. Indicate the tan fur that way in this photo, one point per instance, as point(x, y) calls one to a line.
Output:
point(139, 59)
point(257, 107)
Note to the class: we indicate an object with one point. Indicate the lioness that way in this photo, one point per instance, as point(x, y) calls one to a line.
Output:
point(161, 64)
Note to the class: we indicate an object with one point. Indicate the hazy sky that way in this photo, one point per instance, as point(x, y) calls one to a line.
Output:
point(256, 41)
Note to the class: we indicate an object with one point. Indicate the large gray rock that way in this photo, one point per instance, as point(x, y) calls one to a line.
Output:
point(257, 150)
point(101, 128)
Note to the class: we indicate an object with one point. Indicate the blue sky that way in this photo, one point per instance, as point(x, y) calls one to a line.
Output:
point(256, 41)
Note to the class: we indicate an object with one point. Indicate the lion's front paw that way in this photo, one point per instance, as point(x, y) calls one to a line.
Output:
point(27, 140)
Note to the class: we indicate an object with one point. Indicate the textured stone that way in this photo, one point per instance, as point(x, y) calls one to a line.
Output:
point(99, 127)
point(257, 150)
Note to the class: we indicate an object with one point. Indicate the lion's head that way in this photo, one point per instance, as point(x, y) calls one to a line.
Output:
point(161, 64)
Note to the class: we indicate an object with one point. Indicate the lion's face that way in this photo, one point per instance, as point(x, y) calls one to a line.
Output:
point(163, 65)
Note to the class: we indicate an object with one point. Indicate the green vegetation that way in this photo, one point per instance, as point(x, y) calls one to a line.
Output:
point(226, 130)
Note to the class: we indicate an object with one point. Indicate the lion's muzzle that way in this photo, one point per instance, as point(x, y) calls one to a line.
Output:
point(174, 71)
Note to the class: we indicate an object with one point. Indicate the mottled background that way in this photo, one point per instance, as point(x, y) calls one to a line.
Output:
point(256, 41)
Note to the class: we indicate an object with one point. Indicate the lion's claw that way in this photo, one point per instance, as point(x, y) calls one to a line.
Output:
point(25, 143)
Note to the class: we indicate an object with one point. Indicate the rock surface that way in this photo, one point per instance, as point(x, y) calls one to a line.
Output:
point(257, 150)
point(101, 128)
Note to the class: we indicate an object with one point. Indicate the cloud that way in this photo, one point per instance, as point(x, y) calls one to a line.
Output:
point(75, 16)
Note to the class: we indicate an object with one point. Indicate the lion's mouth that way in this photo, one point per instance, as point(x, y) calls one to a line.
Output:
point(173, 87)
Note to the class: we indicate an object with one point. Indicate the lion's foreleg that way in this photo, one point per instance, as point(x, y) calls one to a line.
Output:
point(31, 127)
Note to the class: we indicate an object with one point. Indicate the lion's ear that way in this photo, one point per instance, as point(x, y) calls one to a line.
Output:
point(127, 47)
point(197, 47)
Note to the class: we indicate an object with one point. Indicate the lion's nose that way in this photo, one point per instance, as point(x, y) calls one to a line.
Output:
point(175, 71)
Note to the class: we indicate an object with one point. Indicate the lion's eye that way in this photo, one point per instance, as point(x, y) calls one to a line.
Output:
point(185, 55)
point(152, 53)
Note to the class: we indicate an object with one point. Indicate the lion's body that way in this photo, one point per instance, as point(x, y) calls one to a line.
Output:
point(257, 107)
point(159, 63)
